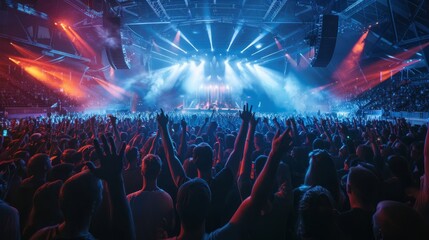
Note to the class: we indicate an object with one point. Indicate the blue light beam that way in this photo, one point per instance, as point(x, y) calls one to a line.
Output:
point(237, 30)
point(209, 32)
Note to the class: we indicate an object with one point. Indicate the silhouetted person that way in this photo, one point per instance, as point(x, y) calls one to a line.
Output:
point(316, 217)
point(46, 211)
point(152, 208)
point(9, 218)
point(81, 195)
point(397, 221)
point(362, 192)
point(38, 167)
point(132, 172)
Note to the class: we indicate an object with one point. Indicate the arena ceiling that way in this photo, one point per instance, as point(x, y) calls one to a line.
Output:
point(395, 25)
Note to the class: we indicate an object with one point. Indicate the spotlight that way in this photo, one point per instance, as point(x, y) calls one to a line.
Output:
point(258, 46)
point(63, 25)
point(187, 40)
point(259, 37)
point(236, 31)
point(209, 33)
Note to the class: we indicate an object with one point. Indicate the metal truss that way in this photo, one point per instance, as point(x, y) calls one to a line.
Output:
point(82, 8)
point(355, 6)
point(159, 9)
point(274, 9)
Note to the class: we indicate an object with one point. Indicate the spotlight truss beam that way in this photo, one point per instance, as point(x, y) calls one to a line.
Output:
point(270, 60)
point(271, 54)
point(264, 48)
point(259, 37)
point(416, 13)
point(171, 43)
point(79, 6)
point(159, 9)
point(48, 49)
point(414, 40)
point(274, 9)
point(236, 31)
point(164, 56)
point(187, 40)
point(146, 23)
point(356, 7)
point(175, 54)
point(209, 32)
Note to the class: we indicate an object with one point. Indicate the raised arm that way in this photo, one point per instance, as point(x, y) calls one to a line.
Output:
point(183, 143)
point(316, 125)
point(326, 129)
point(234, 159)
point(267, 125)
point(265, 180)
point(422, 201)
point(277, 124)
point(301, 123)
point(294, 129)
point(93, 127)
point(426, 166)
point(110, 170)
point(250, 209)
point(176, 169)
point(206, 120)
point(244, 181)
point(113, 121)
point(154, 145)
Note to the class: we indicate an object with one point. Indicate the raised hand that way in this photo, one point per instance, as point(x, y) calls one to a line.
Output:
point(293, 121)
point(265, 120)
point(281, 141)
point(183, 123)
point(275, 120)
point(246, 114)
point(162, 118)
point(110, 161)
point(92, 120)
point(253, 120)
point(113, 119)
point(288, 122)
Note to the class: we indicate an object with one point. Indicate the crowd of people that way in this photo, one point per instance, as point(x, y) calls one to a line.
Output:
point(213, 175)
point(21, 90)
point(392, 96)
